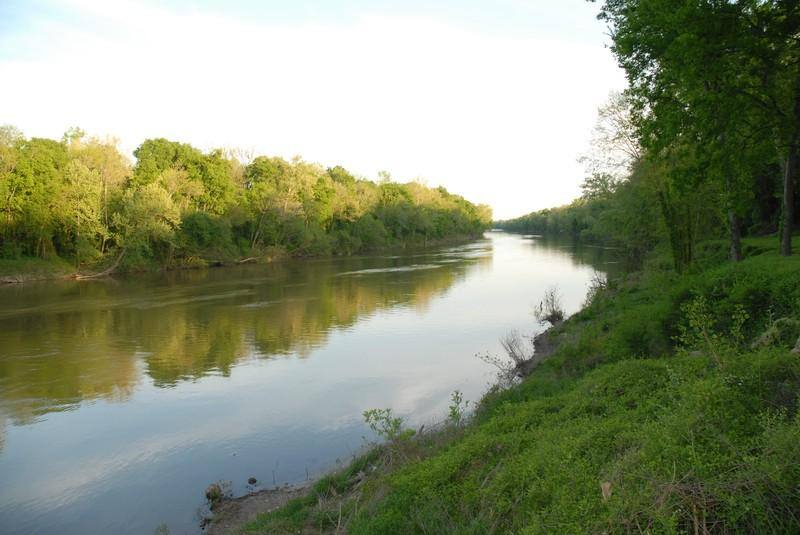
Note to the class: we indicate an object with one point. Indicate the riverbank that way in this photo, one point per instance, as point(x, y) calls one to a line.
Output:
point(671, 405)
point(27, 269)
point(229, 514)
point(19, 270)
point(320, 505)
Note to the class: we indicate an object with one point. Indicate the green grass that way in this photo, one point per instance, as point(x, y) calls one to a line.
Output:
point(308, 510)
point(23, 269)
point(690, 435)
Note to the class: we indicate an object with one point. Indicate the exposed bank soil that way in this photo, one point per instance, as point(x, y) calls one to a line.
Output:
point(544, 344)
point(231, 514)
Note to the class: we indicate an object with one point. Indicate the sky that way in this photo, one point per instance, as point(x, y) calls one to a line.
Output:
point(494, 100)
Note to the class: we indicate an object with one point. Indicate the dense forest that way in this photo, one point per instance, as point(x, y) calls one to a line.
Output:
point(704, 142)
point(81, 200)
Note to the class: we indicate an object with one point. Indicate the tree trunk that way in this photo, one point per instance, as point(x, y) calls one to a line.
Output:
point(256, 231)
point(104, 273)
point(678, 233)
point(735, 224)
point(690, 235)
point(789, 177)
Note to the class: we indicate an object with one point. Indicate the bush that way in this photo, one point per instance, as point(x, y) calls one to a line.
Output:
point(201, 231)
point(550, 310)
point(370, 232)
point(10, 250)
point(345, 243)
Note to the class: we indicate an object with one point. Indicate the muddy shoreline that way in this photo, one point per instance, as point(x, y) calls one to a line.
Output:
point(230, 515)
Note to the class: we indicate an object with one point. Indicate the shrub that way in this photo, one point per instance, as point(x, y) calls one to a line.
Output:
point(203, 233)
point(550, 310)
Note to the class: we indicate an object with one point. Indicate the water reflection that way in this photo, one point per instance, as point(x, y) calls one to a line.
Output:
point(600, 257)
point(121, 400)
point(63, 343)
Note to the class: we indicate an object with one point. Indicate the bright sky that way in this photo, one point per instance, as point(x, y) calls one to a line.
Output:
point(494, 100)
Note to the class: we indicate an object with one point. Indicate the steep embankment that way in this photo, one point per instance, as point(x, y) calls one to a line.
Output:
point(667, 409)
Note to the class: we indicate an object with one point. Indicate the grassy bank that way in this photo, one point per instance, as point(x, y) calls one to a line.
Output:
point(26, 269)
point(670, 406)
point(29, 269)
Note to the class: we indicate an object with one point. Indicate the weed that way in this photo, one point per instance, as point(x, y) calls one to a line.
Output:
point(384, 424)
point(550, 310)
point(217, 492)
point(458, 409)
point(519, 349)
point(598, 284)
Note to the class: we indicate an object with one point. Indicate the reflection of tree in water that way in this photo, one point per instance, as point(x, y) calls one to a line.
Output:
point(53, 361)
point(291, 314)
point(85, 342)
point(581, 254)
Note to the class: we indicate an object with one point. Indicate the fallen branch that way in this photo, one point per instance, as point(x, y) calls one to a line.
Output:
point(104, 273)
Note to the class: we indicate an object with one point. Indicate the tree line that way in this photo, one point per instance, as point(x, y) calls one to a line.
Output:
point(708, 128)
point(81, 199)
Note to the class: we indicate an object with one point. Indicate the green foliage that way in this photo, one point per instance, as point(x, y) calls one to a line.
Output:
point(384, 424)
point(202, 232)
point(79, 199)
point(146, 221)
point(715, 86)
point(784, 332)
point(457, 411)
point(709, 128)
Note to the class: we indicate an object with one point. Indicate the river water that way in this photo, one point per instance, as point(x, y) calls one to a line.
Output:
point(122, 399)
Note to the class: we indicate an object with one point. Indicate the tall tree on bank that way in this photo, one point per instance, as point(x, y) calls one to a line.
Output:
point(778, 26)
point(613, 149)
point(713, 76)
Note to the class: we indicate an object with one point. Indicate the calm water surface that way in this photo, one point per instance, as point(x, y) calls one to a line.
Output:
point(121, 400)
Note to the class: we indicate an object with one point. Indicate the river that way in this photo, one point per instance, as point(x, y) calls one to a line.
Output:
point(122, 399)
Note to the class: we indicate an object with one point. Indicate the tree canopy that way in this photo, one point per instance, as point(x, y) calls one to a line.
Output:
point(81, 199)
point(704, 142)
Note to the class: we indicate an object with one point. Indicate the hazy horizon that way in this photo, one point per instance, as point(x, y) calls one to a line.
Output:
point(494, 103)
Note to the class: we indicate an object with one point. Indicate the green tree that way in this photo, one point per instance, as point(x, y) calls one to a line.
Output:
point(213, 172)
point(146, 221)
point(81, 210)
point(722, 76)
